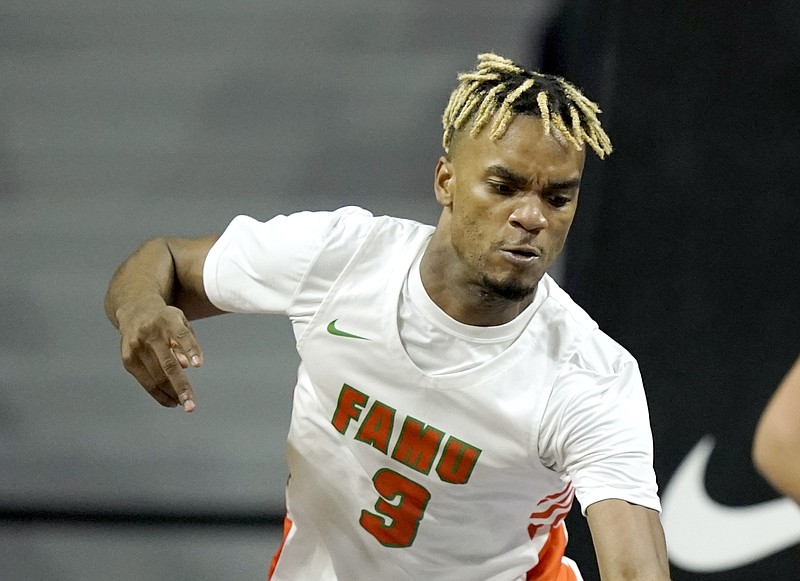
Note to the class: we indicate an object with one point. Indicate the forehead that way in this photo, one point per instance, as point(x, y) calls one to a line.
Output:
point(525, 148)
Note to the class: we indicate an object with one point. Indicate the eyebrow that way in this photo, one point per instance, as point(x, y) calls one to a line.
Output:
point(505, 173)
point(513, 177)
point(565, 185)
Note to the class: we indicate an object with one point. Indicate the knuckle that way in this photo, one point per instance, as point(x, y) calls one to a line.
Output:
point(150, 332)
point(128, 348)
point(129, 354)
point(183, 390)
point(182, 385)
point(134, 347)
point(171, 366)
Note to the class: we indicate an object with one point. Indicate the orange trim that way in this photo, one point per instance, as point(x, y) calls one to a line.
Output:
point(553, 507)
point(287, 526)
point(567, 491)
point(550, 566)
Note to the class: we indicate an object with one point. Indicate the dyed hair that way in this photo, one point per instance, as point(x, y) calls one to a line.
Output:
point(498, 90)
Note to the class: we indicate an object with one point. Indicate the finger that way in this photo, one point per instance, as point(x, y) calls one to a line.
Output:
point(181, 357)
point(185, 342)
point(133, 363)
point(177, 379)
point(160, 382)
point(160, 379)
point(145, 379)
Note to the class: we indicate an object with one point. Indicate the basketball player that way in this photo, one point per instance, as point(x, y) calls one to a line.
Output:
point(452, 399)
point(776, 445)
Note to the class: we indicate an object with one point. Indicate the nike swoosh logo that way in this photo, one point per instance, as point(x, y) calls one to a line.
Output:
point(704, 536)
point(339, 333)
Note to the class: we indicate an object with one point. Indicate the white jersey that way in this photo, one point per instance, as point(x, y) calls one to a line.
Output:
point(398, 472)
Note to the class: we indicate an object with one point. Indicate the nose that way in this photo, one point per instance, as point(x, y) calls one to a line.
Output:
point(529, 214)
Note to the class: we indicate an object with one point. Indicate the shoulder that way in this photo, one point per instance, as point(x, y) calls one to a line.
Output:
point(592, 349)
point(558, 299)
point(308, 233)
point(348, 222)
point(348, 228)
point(288, 240)
point(402, 228)
point(352, 224)
point(351, 234)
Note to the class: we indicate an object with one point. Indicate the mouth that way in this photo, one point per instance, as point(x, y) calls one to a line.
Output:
point(521, 254)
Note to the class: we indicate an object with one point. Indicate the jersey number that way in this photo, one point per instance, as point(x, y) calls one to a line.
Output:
point(400, 508)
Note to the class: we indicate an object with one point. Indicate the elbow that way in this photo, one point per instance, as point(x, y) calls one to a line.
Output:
point(776, 446)
point(765, 451)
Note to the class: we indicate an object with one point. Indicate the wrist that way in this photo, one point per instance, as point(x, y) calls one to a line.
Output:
point(130, 308)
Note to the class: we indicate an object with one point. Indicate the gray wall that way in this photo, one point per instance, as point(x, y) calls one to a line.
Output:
point(121, 121)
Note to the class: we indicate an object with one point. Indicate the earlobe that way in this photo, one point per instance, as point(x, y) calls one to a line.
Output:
point(443, 181)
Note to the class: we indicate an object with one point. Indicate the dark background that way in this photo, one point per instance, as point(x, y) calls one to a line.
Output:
point(121, 121)
point(685, 250)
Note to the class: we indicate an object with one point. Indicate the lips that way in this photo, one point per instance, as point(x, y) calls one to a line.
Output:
point(521, 254)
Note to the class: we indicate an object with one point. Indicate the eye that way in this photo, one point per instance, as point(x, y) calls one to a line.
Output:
point(558, 200)
point(503, 188)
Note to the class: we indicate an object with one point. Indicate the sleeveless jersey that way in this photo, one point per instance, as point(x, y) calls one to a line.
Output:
point(396, 474)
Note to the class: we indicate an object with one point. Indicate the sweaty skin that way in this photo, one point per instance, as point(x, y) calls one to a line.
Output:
point(507, 206)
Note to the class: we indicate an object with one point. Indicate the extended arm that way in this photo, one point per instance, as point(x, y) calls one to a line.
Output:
point(150, 299)
point(776, 445)
point(628, 541)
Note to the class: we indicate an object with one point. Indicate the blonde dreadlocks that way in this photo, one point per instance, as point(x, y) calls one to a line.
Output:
point(499, 90)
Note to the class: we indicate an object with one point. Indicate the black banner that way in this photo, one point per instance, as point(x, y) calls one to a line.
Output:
point(685, 250)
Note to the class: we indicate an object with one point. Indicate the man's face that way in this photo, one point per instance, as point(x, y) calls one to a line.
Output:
point(509, 204)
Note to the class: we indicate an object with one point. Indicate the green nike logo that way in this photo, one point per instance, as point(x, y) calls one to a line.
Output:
point(334, 331)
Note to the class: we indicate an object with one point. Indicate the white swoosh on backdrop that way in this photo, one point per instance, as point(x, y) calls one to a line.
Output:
point(704, 536)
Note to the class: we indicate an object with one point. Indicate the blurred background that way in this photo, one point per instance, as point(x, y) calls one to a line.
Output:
point(121, 121)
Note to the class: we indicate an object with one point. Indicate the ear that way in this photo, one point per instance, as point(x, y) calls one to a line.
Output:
point(444, 181)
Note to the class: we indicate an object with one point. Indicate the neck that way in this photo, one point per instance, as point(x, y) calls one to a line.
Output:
point(465, 300)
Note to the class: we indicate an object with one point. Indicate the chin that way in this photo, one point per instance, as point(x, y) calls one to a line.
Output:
point(510, 290)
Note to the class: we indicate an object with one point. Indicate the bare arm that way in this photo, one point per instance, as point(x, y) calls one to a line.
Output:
point(150, 299)
point(628, 541)
point(776, 445)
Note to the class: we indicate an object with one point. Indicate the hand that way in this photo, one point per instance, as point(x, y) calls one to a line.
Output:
point(157, 345)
